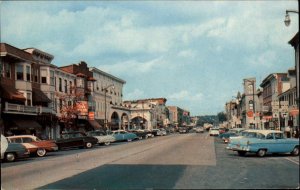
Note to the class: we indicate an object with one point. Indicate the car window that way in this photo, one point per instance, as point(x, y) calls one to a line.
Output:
point(78, 135)
point(16, 140)
point(27, 140)
point(278, 135)
point(260, 136)
point(122, 132)
point(269, 136)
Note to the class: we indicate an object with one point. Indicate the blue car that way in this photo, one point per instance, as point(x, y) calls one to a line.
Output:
point(121, 135)
point(265, 141)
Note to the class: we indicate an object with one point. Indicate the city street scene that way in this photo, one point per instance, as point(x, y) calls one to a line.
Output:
point(149, 94)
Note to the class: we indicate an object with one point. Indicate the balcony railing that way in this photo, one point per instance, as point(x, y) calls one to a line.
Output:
point(22, 109)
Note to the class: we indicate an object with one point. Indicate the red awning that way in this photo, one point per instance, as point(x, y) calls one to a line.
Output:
point(11, 93)
point(267, 117)
point(294, 112)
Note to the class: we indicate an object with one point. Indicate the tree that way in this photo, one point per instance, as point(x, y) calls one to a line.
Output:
point(222, 117)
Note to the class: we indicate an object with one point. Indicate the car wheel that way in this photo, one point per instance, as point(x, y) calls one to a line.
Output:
point(10, 157)
point(129, 140)
point(88, 145)
point(140, 138)
point(242, 153)
point(107, 143)
point(146, 137)
point(41, 152)
point(295, 151)
point(261, 152)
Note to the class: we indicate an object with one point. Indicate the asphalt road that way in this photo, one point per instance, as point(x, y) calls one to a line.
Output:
point(179, 161)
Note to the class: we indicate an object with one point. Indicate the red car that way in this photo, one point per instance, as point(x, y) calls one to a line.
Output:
point(34, 144)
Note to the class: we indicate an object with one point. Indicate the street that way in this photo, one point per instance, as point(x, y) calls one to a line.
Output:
point(176, 161)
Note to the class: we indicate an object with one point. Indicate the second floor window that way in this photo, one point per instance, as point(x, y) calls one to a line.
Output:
point(20, 75)
point(7, 70)
point(28, 75)
point(60, 85)
point(71, 87)
point(43, 76)
point(66, 86)
point(52, 78)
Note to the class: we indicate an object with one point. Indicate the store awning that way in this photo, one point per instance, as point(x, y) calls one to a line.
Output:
point(11, 93)
point(38, 96)
point(94, 124)
point(294, 112)
point(26, 124)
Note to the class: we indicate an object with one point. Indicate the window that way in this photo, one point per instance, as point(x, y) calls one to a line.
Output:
point(7, 70)
point(35, 75)
point(16, 140)
point(71, 87)
point(60, 104)
point(43, 76)
point(269, 136)
point(27, 140)
point(28, 75)
point(28, 99)
point(278, 135)
point(52, 79)
point(60, 85)
point(20, 72)
point(66, 86)
point(80, 82)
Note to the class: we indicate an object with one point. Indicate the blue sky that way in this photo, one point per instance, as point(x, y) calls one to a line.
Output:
point(194, 53)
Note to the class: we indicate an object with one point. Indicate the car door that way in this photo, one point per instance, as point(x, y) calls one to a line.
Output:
point(29, 144)
point(281, 143)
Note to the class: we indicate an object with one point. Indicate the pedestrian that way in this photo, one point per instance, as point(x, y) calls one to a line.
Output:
point(287, 131)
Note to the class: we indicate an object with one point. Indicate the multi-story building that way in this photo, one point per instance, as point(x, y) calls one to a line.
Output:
point(273, 85)
point(148, 113)
point(107, 95)
point(178, 116)
point(24, 106)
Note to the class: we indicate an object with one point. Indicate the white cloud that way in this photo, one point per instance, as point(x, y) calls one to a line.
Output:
point(187, 53)
point(134, 95)
point(186, 96)
point(265, 59)
point(134, 67)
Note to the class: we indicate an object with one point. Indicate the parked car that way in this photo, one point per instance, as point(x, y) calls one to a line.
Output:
point(266, 141)
point(141, 134)
point(154, 132)
point(103, 138)
point(121, 135)
point(149, 133)
point(75, 139)
point(231, 133)
point(35, 145)
point(182, 130)
point(214, 132)
point(12, 151)
point(198, 129)
point(161, 132)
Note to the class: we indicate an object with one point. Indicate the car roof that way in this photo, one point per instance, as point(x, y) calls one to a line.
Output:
point(265, 132)
point(21, 136)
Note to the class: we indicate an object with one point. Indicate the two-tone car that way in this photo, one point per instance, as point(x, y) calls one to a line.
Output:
point(35, 145)
point(264, 142)
point(122, 135)
point(75, 139)
point(12, 151)
point(103, 138)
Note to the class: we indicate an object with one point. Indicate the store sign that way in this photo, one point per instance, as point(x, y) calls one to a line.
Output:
point(91, 116)
point(82, 107)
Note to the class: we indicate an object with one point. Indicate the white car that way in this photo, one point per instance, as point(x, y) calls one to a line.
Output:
point(214, 132)
point(198, 129)
point(161, 132)
point(102, 137)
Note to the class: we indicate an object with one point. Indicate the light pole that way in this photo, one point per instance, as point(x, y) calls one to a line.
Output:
point(287, 19)
point(252, 83)
point(105, 90)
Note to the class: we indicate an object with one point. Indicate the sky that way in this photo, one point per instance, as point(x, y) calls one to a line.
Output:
point(193, 53)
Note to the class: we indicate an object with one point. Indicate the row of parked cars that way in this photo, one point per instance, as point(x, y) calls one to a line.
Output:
point(20, 146)
point(260, 142)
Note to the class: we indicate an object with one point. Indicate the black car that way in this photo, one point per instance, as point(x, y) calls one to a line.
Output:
point(75, 139)
point(141, 134)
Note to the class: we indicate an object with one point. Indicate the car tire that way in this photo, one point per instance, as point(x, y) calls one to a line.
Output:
point(140, 138)
point(146, 137)
point(41, 152)
point(10, 157)
point(129, 140)
point(242, 153)
point(107, 143)
point(88, 145)
point(261, 152)
point(295, 151)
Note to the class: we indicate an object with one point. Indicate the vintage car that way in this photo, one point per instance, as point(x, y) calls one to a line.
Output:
point(75, 139)
point(121, 135)
point(182, 130)
point(265, 141)
point(214, 132)
point(161, 132)
point(198, 129)
point(12, 151)
point(141, 134)
point(103, 138)
point(35, 145)
point(231, 133)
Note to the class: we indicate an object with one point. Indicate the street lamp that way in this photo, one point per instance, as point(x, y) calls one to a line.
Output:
point(252, 83)
point(287, 19)
point(105, 90)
